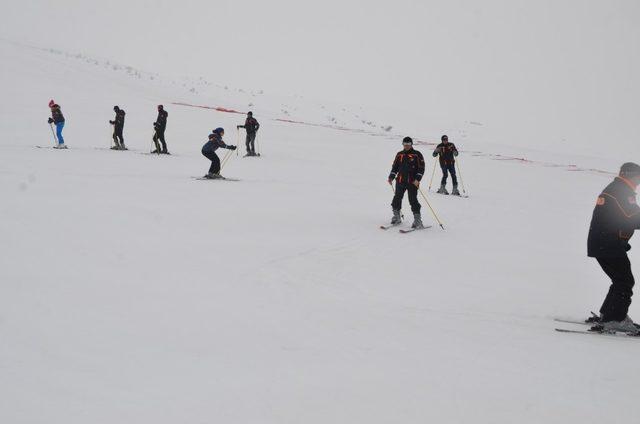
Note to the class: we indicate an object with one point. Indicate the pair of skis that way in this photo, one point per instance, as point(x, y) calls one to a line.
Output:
point(404, 230)
point(593, 328)
point(220, 178)
point(463, 196)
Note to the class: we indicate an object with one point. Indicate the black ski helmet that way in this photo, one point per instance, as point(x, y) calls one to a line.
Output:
point(444, 137)
point(160, 107)
point(116, 108)
point(629, 169)
point(407, 140)
point(250, 113)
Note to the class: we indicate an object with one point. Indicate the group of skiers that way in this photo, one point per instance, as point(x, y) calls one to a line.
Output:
point(407, 171)
point(615, 218)
point(215, 141)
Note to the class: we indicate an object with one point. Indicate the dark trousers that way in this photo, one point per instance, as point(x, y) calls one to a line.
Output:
point(616, 305)
point(159, 136)
point(449, 168)
point(251, 138)
point(117, 136)
point(215, 161)
point(396, 204)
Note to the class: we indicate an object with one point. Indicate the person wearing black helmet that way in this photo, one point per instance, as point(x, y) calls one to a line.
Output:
point(615, 218)
point(407, 171)
point(209, 151)
point(118, 127)
point(252, 126)
point(447, 152)
point(160, 126)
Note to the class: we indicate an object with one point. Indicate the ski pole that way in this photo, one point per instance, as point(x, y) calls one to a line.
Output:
point(226, 158)
point(432, 211)
point(460, 175)
point(112, 140)
point(238, 143)
point(55, 139)
point(257, 145)
point(433, 173)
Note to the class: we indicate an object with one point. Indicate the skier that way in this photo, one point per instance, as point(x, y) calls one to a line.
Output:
point(447, 152)
point(407, 170)
point(58, 119)
point(252, 126)
point(615, 217)
point(209, 151)
point(118, 126)
point(160, 125)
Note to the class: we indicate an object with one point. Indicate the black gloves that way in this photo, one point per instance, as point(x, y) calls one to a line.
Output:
point(231, 147)
point(455, 153)
point(112, 122)
point(50, 120)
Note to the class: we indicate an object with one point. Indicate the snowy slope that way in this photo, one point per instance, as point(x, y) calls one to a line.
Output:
point(132, 293)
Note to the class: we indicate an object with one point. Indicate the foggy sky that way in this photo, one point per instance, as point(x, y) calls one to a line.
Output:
point(560, 69)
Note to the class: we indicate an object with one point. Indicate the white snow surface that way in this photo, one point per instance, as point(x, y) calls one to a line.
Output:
point(132, 293)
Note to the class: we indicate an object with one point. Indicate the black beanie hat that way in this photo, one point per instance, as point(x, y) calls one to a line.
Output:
point(408, 140)
point(444, 137)
point(629, 169)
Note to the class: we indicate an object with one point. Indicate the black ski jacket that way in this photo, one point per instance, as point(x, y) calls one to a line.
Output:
point(119, 120)
point(56, 114)
point(447, 152)
point(215, 142)
point(615, 218)
point(251, 125)
point(408, 166)
point(161, 121)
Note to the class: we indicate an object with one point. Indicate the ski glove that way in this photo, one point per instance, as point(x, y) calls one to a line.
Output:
point(50, 120)
point(112, 122)
point(455, 153)
point(231, 147)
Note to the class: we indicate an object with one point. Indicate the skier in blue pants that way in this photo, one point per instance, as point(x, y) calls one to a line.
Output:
point(58, 119)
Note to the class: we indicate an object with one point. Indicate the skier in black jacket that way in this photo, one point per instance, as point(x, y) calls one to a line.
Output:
point(160, 125)
point(447, 152)
point(252, 126)
point(209, 151)
point(615, 217)
point(118, 126)
point(407, 171)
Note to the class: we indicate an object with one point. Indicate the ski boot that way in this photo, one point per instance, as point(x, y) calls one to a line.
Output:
point(417, 221)
point(397, 218)
point(211, 176)
point(625, 326)
point(455, 191)
point(442, 190)
point(60, 146)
